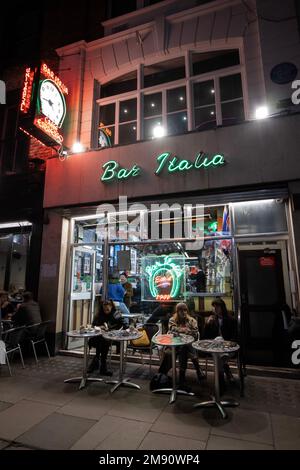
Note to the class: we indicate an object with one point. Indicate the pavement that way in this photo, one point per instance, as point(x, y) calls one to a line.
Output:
point(39, 411)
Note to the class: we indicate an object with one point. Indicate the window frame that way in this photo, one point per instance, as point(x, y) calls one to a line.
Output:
point(187, 82)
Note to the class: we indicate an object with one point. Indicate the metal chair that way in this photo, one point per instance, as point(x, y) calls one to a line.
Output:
point(12, 339)
point(36, 334)
point(151, 330)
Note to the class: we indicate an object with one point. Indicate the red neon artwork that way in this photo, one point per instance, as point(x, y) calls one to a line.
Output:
point(48, 73)
point(27, 90)
point(49, 128)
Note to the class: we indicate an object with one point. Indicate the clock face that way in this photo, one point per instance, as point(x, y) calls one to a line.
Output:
point(52, 102)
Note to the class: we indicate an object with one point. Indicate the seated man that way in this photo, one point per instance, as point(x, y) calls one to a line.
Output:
point(28, 313)
point(182, 322)
point(108, 319)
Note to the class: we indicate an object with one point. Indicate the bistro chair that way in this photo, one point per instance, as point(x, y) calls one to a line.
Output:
point(151, 330)
point(12, 339)
point(37, 334)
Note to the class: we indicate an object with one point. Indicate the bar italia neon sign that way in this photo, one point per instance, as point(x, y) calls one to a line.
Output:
point(164, 278)
point(113, 171)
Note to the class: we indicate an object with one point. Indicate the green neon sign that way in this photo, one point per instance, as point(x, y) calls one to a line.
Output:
point(112, 171)
point(175, 163)
point(164, 278)
point(165, 161)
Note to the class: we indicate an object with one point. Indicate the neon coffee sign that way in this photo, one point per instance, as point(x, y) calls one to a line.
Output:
point(165, 276)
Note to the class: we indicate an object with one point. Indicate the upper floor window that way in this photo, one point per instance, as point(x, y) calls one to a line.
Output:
point(175, 96)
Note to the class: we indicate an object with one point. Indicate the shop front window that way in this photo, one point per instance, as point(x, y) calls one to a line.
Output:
point(14, 248)
point(127, 120)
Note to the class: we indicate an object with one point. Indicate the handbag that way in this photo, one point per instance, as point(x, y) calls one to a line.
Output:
point(143, 341)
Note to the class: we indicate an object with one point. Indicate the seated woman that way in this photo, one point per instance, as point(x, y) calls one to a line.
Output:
point(108, 319)
point(220, 323)
point(6, 308)
point(182, 322)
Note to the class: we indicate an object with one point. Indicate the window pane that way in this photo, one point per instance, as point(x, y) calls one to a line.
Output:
point(127, 110)
point(106, 137)
point(121, 84)
point(210, 61)
point(149, 125)
point(121, 8)
point(177, 123)
point(107, 114)
point(176, 99)
point(204, 93)
point(127, 133)
point(152, 105)
point(164, 72)
point(205, 118)
point(231, 87)
point(233, 112)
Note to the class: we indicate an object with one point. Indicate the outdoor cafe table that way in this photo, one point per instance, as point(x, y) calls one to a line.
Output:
point(85, 336)
point(121, 336)
point(217, 348)
point(173, 342)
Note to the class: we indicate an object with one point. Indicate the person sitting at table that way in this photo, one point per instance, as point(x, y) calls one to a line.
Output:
point(6, 307)
point(220, 323)
point(182, 322)
point(108, 319)
point(28, 313)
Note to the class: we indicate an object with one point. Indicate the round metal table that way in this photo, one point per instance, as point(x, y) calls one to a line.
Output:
point(217, 348)
point(122, 336)
point(85, 336)
point(173, 342)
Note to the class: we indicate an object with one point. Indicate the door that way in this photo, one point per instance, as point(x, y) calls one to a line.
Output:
point(82, 290)
point(262, 294)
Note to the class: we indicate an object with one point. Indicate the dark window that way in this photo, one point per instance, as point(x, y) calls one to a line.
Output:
point(107, 114)
point(232, 99)
point(120, 85)
point(176, 99)
point(204, 62)
point(152, 105)
point(127, 133)
point(204, 93)
point(205, 118)
point(177, 123)
point(127, 110)
point(233, 111)
point(231, 87)
point(164, 72)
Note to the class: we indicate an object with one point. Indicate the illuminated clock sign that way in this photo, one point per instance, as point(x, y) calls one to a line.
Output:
point(165, 163)
point(43, 99)
point(163, 278)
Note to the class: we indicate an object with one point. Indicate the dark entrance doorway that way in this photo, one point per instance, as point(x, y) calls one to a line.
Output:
point(262, 296)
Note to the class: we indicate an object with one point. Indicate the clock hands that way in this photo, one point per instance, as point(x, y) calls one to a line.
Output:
point(49, 101)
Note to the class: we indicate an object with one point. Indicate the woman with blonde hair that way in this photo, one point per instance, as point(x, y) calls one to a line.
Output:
point(182, 322)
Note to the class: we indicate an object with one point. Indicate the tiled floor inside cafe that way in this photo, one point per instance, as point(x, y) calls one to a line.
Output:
point(39, 411)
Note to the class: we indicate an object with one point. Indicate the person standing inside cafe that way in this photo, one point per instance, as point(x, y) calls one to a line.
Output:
point(128, 289)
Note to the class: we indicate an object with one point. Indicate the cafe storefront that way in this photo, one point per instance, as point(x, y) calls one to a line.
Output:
point(239, 247)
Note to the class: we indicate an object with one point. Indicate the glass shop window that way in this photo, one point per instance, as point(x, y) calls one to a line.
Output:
point(205, 62)
point(176, 111)
point(232, 103)
point(107, 125)
point(164, 72)
point(152, 113)
point(123, 84)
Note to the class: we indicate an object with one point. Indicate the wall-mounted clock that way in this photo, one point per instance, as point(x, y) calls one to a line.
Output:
point(52, 102)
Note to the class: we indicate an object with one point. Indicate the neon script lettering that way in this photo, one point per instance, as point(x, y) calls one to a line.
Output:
point(173, 164)
point(112, 170)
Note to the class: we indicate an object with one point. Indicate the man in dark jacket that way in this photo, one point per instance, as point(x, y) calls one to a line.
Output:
point(28, 313)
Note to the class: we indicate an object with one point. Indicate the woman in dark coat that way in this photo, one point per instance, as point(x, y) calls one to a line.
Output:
point(108, 319)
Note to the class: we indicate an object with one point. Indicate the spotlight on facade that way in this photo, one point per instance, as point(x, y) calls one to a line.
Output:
point(262, 112)
point(77, 147)
point(158, 131)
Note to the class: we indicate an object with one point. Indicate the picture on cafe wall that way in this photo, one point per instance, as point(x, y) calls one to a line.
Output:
point(163, 278)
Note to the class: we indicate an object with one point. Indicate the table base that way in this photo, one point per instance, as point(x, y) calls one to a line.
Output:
point(83, 381)
point(219, 404)
point(122, 383)
point(173, 393)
